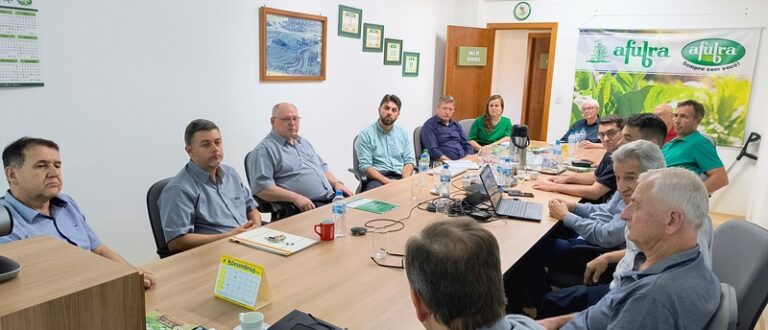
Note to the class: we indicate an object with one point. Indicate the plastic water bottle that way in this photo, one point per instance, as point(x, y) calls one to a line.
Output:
point(424, 162)
point(339, 211)
point(557, 156)
point(445, 182)
point(572, 146)
point(507, 171)
point(582, 135)
point(499, 175)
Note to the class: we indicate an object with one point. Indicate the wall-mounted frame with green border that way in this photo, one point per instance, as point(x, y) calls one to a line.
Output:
point(373, 38)
point(350, 21)
point(393, 51)
point(410, 64)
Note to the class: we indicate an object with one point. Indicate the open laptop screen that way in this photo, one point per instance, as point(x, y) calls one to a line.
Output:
point(491, 187)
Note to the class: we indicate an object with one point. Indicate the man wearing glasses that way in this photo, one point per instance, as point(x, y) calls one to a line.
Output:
point(589, 110)
point(597, 186)
point(286, 168)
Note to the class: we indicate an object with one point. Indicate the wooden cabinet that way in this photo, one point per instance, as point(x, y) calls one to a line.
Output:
point(61, 286)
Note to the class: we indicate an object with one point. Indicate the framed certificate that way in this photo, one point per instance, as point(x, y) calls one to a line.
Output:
point(373, 38)
point(393, 51)
point(410, 64)
point(350, 20)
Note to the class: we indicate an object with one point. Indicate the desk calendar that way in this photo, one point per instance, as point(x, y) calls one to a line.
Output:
point(242, 283)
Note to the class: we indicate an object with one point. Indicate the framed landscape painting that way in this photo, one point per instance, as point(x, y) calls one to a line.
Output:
point(292, 45)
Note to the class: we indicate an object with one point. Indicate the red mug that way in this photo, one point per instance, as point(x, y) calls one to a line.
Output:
point(325, 230)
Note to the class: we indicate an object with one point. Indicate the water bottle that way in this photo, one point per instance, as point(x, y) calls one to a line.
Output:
point(445, 182)
point(572, 145)
point(424, 162)
point(339, 210)
point(507, 171)
point(499, 173)
point(557, 157)
point(582, 135)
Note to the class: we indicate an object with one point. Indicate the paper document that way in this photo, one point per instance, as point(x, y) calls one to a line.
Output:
point(371, 205)
point(274, 241)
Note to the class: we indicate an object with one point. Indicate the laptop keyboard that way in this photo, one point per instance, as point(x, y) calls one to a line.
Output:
point(512, 207)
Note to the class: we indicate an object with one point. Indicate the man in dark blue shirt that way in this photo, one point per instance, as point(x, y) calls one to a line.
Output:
point(442, 136)
point(589, 110)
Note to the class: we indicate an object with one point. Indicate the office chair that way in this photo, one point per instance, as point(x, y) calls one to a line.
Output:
point(727, 311)
point(154, 217)
point(277, 210)
point(739, 259)
point(417, 142)
point(356, 169)
point(466, 125)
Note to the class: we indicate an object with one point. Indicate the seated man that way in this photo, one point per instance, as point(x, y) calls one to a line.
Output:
point(206, 200)
point(644, 126)
point(286, 168)
point(454, 272)
point(600, 185)
point(693, 151)
point(33, 170)
point(442, 136)
point(384, 150)
point(664, 112)
point(671, 286)
point(589, 110)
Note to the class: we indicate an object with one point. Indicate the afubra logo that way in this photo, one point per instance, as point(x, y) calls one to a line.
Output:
point(643, 51)
point(713, 52)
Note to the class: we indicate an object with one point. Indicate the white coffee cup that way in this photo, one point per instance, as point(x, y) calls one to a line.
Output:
point(251, 321)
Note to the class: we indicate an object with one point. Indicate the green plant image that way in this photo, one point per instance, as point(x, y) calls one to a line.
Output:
point(624, 93)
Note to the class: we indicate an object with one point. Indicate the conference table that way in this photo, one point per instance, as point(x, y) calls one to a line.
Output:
point(333, 280)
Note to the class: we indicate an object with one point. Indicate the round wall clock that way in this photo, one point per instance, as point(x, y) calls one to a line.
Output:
point(522, 10)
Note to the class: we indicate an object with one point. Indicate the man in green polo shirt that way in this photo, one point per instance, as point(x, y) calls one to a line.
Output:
point(692, 150)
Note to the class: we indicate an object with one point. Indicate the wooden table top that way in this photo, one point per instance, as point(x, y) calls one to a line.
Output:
point(335, 280)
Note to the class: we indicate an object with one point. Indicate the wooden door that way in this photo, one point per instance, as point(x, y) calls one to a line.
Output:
point(469, 85)
point(534, 96)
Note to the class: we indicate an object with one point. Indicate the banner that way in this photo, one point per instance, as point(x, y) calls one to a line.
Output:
point(633, 71)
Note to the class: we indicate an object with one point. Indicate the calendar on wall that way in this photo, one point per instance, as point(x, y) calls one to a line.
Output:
point(242, 283)
point(19, 47)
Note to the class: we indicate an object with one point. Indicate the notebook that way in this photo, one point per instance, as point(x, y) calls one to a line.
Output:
point(512, 208)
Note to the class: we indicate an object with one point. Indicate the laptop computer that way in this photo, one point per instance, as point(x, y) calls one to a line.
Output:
point(512, 208)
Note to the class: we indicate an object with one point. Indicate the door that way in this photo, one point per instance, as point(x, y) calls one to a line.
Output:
point(469, 85)
point(536, 86)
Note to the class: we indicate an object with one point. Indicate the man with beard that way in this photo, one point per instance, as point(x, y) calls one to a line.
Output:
point(384, 150)
point(206, 200)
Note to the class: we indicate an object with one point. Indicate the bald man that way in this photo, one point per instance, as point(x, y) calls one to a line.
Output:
point(664, 111)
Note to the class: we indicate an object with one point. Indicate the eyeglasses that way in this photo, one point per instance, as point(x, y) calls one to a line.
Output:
point(288, 120)
point(609, 133)
point(402, 260)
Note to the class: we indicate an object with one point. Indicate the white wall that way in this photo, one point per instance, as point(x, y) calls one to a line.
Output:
point(743, 195)
point(510, 56)
point(122, 80)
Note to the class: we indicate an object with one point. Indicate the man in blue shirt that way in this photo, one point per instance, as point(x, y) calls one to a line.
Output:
point(589, 110)
point(671, 287)
point(454, 272)
point(442, 136)
point(38, 208)
point(206, 200)
point(384, 150)
point(286, 168)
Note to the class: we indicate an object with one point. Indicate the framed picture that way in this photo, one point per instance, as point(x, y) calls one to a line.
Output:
point(291, 46)
point(410, 64)
point(373, 37)
point(393, 51)
point(350, 20)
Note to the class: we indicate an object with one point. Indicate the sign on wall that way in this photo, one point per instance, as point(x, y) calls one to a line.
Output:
point(20, 46)
point(472, 56)
point(633, 71)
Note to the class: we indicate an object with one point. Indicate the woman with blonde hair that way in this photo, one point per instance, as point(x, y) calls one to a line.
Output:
point(491, 127)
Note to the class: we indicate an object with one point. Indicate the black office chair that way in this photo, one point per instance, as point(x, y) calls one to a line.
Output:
point(277, 210)
point(417, 147)
point(360, 176)
point(154, 217)
point(738, 259)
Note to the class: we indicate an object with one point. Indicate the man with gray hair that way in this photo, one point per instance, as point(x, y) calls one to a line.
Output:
point(670, 286)
point(589, 110)
point(454, 271)
point(206, 200)
point(442, 136)
point(664, 112)
point(286, 168)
